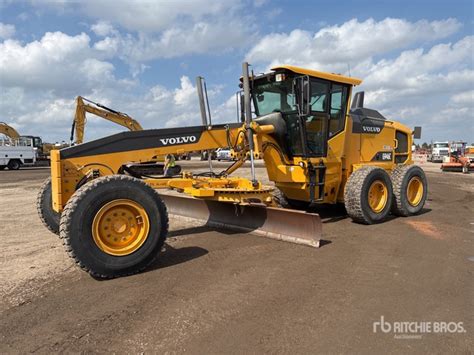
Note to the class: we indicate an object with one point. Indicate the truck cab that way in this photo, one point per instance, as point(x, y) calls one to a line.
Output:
point(439, 150)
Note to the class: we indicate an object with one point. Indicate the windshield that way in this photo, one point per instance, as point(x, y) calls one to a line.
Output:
point(37, 142)
point(271, 97)
point(441, 145)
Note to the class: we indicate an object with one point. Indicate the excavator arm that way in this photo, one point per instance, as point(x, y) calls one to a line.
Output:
point(79, 123)
point(9, 131)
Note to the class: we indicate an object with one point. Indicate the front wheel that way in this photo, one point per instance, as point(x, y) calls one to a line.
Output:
point(368, 195)
point(114, 226)
point(14, 165)
point(410, 190)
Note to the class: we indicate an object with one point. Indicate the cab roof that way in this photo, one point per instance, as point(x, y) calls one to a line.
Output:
point(320, 74)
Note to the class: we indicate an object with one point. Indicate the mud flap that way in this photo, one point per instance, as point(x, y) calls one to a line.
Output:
point(277, 223)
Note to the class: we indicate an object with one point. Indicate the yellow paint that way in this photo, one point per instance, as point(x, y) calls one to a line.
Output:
point(415, 191)
point(378, 196)
point(120, 227)
point(320, 74)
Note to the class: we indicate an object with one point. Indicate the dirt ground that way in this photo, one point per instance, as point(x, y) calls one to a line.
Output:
point(216, 292)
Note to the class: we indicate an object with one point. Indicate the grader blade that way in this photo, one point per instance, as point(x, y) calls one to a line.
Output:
point(277, 223)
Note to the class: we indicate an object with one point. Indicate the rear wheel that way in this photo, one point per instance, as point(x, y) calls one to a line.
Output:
point(44, 206)
point(2, 167)
point(368, 195)
point(410, 190)
point(14, 164)
point(114, 226)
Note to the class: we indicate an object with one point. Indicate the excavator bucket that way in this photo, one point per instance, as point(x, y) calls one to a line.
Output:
point(277, 223)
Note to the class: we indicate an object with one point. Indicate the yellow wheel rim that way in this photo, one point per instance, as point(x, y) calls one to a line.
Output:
point(120, 227)
point(378, 195)
point(415, 191)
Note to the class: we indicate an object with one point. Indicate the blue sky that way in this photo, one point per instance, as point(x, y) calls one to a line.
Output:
point(142, 58)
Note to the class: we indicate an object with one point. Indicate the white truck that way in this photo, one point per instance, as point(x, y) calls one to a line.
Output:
point(223, 154)
point(16, 152)
point(439, 150)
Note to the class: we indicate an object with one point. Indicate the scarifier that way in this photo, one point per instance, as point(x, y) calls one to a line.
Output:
point(316, 148)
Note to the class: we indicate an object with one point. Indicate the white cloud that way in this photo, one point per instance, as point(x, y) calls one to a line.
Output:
point(6, 30)
point(416, 64)
point(56, 62)
point(153, 16)
point(463, 98)
point(337, 46)
point(187, 93)
point(198, 38)
point(143, 30)
point(424, 81)
point(102, 28)
point(49, 116)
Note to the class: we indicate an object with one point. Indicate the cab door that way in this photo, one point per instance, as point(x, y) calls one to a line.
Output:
point(323, 126)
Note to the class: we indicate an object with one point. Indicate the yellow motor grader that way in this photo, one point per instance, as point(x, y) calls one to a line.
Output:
point(317, 149)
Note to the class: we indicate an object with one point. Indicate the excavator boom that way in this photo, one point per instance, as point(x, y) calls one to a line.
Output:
point(9, 131)
point(99, 110)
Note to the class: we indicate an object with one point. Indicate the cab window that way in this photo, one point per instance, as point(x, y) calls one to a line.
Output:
point(319, 95)
point(337, 109)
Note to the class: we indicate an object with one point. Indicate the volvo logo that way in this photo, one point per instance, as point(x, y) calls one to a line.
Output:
point(370, 129)
point(178, 140)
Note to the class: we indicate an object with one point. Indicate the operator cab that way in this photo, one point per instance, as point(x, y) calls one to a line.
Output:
point(312, 104)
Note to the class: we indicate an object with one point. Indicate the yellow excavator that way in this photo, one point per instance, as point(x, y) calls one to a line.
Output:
point(9, 131)
point(317, 149)
point(154, 166)
point(80, 120)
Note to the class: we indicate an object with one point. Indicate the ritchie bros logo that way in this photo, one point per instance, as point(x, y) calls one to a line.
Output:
point(415, 330)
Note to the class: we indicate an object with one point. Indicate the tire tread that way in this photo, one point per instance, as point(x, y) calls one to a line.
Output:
point(398, 176)
point(65, 225)
point(39, 208)
point(353, 194)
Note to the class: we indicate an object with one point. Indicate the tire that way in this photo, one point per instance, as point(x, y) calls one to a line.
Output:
point(14, 164)
point(363, 183)
point(401, 178)
point(2, 167)
point(84, 208)
point(48, 216)
point(284, 202)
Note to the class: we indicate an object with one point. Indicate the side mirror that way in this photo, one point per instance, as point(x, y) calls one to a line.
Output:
point(417, 132)
point(302, 95)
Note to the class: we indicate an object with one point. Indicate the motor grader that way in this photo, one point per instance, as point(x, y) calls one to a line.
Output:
point(317, 149)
